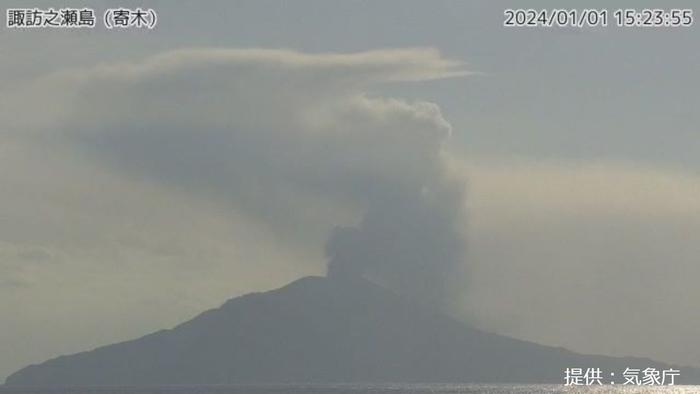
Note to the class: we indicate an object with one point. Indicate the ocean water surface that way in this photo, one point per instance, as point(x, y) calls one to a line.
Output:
point(361, 389)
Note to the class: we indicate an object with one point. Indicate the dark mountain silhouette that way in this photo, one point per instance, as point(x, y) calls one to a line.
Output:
point(321, 330)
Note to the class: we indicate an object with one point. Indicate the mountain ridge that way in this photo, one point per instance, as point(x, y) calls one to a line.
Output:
point(322, 330)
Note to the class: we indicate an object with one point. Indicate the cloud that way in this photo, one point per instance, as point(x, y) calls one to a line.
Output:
point(223, 169)
point(557, 247)
point(213, 79)
point(273, 130)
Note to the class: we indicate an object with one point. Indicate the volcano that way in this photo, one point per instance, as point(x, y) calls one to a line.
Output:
point(322, 330)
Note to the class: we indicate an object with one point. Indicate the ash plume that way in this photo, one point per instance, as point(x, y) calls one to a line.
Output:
point(291, 140)
point(410, 239)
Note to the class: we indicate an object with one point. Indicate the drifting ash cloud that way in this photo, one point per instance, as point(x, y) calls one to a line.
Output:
point(274, 132)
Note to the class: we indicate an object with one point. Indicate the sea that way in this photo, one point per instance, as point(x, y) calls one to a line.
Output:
point(362, 389)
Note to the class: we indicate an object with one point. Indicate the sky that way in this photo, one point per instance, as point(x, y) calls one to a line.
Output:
point(149, 175)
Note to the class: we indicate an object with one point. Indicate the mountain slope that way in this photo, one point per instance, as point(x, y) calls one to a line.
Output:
point(319, 330)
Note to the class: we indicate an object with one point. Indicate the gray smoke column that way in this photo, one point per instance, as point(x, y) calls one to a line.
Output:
point(411, 237)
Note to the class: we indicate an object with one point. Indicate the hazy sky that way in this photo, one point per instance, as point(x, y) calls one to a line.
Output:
point(146, 176)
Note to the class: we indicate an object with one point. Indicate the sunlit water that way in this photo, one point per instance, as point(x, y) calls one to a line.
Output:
point(362, 389)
